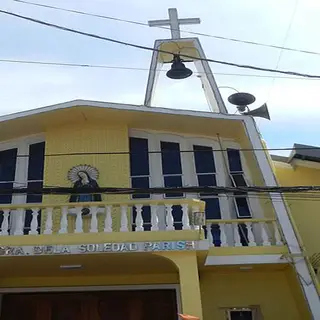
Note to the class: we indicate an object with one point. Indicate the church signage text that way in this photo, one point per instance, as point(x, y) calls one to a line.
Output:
point(97, 248)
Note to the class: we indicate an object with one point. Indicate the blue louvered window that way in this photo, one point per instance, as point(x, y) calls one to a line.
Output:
point(171, 167)
point(140, 175)
point(172, 176)
point(206, 174)
point(35, 180)
point(241, 203)
point(8, 161)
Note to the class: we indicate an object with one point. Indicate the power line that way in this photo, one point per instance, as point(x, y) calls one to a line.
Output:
point(284, 42)
point(86, 65)
point(309, 196)
point(297, 195)
point(153, 49)
point(165, 151)
point(168, 28)
point(160, 190)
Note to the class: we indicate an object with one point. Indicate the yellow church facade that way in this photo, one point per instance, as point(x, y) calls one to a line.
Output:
point(144, 243)
point(113, 254)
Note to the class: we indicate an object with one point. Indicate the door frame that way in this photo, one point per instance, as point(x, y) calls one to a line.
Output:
point(176, 287)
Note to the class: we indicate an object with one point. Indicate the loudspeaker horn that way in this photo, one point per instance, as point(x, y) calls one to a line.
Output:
point(261, 112)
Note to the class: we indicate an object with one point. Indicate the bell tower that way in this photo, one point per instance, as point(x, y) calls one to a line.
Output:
point(178, 47)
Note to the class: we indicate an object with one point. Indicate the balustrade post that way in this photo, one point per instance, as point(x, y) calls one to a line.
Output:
point(124, 219)
point(237, 240)
point(209, 235)
point(19, 223)
point(5, 223)
point(169, 217)
point(64, 220)
point(154, 218)
point(223, 236)
point(139, 219)
point(94, 220)
point(108, 220)
point(79, 222)
point(34, 222)
point(48, 226)
point(185, 217)
point(251, 239)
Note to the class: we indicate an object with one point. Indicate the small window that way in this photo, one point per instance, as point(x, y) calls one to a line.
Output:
point(35, 181)
point(238, 180)
point(204, 159)
point(171, 158)
point(139, 165)
point(36, 161)
point(139, 157)
point(171, 167)
point(8, 160)
point(234, 160)
point(242, 207)
point(240, 314)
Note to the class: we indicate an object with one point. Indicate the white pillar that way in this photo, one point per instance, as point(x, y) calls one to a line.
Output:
point(300, 264)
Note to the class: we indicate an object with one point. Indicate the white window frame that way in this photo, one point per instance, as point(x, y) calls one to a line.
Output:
point(253, 202)
point(189, 175)
point(220, 170)
point(141, 136)
point(163, 137)
point(22, 164)
point(230, 311)
point(255, 310)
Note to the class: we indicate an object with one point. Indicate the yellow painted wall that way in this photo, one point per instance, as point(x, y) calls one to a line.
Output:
point(87, 137)
point(271, 291)
point(306, 213)
point(102, 280)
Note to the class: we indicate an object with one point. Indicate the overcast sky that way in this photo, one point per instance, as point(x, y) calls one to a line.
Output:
point(293, 103)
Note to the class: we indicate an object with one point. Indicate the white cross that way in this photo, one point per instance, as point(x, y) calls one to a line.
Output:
point(173, 22)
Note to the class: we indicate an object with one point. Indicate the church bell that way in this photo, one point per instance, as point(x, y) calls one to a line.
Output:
point(178, 69)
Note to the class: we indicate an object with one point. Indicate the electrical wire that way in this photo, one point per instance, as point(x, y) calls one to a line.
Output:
point(154, 49)
point(167, 28)
point(284, 42)
point(86, 65)
point(165, 151)
point(241, 191)
point(310, 195)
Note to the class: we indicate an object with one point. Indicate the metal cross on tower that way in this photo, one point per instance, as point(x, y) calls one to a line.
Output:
point(173, 22)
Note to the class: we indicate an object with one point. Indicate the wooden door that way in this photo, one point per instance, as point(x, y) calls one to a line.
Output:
point(107, 305)
point(44, 307)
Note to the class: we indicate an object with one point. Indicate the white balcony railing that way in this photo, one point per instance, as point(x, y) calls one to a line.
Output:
point(137, 216)
point(101, 217)
point(243, 232)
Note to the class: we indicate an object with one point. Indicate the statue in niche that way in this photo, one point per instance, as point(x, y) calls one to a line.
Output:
point(84, 176)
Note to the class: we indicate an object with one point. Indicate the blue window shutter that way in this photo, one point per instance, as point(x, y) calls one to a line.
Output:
point(8, 160)
point(171, 166)
point(206, 169)
point(234, 160)
point(36, 161)
point(35, 170)
point(139, 169)
point(139, 157)
point(204, 159)
point(171, 158)
point(35, 180)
